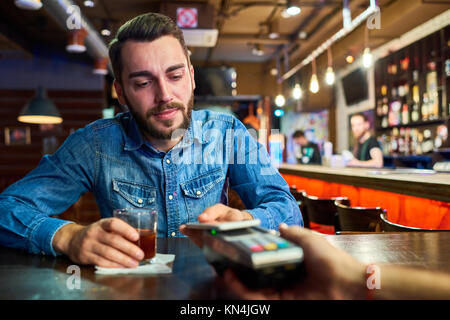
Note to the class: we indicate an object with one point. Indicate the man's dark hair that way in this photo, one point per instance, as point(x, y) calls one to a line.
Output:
point(360, 114)
point(298, 134)
point(146, 27)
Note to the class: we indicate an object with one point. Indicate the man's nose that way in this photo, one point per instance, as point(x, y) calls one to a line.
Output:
point(163, 95)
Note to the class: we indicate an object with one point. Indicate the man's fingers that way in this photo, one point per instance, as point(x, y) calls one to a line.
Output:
point(120, 227)
point(121, 244)
point(115, 256)
point(220, 213)
point(211, 214)
point(102, 262)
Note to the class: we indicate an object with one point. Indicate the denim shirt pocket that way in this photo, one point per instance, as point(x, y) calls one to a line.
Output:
point(202, 192)
point(138, 195)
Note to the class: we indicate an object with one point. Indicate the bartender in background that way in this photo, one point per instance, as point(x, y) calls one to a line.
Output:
point(366, 150)
point(307, 152)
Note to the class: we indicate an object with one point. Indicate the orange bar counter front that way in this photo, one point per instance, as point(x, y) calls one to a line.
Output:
point(410, 198)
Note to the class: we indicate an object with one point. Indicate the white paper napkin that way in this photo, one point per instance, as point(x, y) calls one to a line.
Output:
point(158, 266)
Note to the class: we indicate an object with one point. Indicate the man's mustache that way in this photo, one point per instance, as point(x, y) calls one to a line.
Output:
point(164, 107)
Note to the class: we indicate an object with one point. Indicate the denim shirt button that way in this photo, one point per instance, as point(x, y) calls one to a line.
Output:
point(168, 161)
point(170, 197)
point(198, 192)
point(140, 201)
point(173, 234)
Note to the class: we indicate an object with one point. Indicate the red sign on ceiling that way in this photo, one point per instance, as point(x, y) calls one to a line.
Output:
point(187, 17)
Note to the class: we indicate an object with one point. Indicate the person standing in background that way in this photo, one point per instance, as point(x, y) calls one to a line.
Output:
point(308, 152)
point(366, 150)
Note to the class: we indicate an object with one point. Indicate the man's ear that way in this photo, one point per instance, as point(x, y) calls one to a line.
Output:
point(191, 70)
point(119, 91)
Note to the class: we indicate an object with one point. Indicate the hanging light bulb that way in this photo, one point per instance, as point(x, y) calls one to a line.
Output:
point(367, 55)
point(297, 92)
point(329, 76)
point(367, 58)
point(314, 83)
point(280, 101)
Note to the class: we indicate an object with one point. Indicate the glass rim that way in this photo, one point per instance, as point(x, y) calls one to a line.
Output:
point(135, 211)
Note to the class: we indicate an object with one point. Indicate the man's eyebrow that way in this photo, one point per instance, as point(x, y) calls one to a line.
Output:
point(148, 74)
point(143, 73)
point(175, 67)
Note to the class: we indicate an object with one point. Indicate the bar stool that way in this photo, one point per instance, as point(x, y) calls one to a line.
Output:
point(389, 226)
point(299, 196)
point(322, 213)
point(358, 219)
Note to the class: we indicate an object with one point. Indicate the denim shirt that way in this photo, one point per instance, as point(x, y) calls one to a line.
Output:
point(110, 158)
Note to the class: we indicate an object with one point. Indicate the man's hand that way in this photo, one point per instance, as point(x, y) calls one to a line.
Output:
point(105, 243)
point(214, 214)
point(222, 213)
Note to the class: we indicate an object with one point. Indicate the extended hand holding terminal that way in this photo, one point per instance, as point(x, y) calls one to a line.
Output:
point(259, 257)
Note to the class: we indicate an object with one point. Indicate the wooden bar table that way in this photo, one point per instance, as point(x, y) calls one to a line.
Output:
point(27, 276)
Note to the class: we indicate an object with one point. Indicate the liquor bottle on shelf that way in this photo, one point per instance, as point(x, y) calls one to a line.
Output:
point(394, 141)
point(407, 141)
point(419, 143)
point(385, 144)
point(415, 112)
point(401, 142)
point(427, 143)
point(394, 113)
point(414, 141)
point(405, 114)
point(384, 90)
point(425, 107)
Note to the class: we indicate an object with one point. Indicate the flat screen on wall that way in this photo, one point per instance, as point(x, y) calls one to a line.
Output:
point(355, 87)
point(210, 81)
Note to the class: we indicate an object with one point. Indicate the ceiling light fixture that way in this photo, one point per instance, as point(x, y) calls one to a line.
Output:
point(106, 29)
point(314, 83)
point(349, 58)
point(28, 4)
point(329, 75)
point(274, 32)
point(89, 3)
point(292, 8)
point(40, 109)
point(367, 55)
point(297, 92)
point(280, 101)
point(101, 66)
point(76, 41)
point(257, 51)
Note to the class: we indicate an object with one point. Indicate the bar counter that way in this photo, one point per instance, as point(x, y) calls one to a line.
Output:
point(35, 277)
point(413, 199)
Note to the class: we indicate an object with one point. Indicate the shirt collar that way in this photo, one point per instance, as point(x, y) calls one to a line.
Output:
point(134, 139)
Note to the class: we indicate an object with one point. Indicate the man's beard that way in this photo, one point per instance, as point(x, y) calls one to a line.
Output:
point(150, 130)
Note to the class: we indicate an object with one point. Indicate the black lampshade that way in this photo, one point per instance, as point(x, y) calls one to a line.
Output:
point(40, 110)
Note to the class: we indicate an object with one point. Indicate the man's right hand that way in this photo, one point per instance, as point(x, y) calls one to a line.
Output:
point(106, 243)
